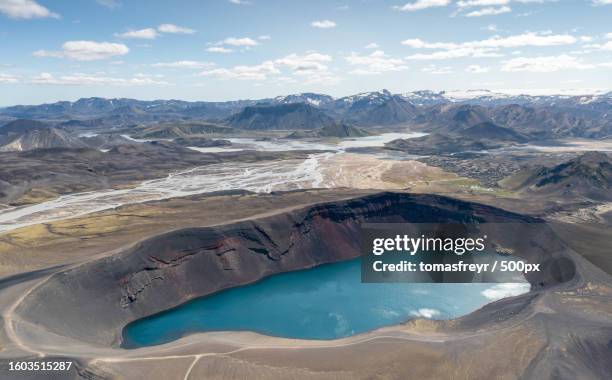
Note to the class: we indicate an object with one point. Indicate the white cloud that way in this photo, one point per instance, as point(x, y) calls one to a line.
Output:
point(481, 3)
point(602, 2)
point(45, 78)
point(219, 49)
point(500, 291)
point(425, 313)
point(25, 9)
point(372, 45)
point(421, 4)
point(375, 63)
point(477, 69)
point(458, 52)
point(489, 11)
point(145, 75)
point(525, 39)
point(86, 50)
point(492, 7)
point(489, 3)
point(489, 47)
point(417, 43)
point(88, 80)
point(306, 63)
point(147, 34)
point(233, 41)
point(6, 78)
point(323, 24)
point(264, 37)
point(310, 67)
point(608, 36)
point(151, 33)
point(433, 69)
point(607, 46)
point(185, 64)
point(48, 54)
point(323, 78)
point(254, 72)
point(174, 29)
point(240, 2)
point(110, 4)
point(545, 64)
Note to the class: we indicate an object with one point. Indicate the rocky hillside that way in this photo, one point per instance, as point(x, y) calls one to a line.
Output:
point(177, 130)
point(280, 117)
point(21, 126)
point(493, 132)
point(588, 176)
point(378, 108)
point(439, 143)
point(23, 135)
point(334, 130)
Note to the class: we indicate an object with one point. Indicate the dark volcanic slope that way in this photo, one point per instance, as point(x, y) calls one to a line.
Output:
point(21, 126)
point(177, 130)
point(334, 130)
point(201, 142)
point(449, 118)
point(534, 121)
point(169, 269)
point(283, 117)
point(493, 132)
point(439, 143)
point(587, 176)
point(481, 136)
point(554, 121)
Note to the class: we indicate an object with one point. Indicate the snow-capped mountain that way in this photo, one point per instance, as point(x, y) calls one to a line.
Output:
point(364, 99)
point(488, 97)
point(317, 100)
point(569, 113)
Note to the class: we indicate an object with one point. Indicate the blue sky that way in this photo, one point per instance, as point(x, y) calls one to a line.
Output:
point(237, 49)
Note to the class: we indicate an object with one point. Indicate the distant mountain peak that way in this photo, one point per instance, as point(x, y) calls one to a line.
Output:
point(314, 99)
point(280, 117)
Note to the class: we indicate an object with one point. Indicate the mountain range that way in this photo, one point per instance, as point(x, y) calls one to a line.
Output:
point(532, 117)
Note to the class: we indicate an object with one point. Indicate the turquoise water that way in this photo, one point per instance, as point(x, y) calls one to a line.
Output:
point(325, 302)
